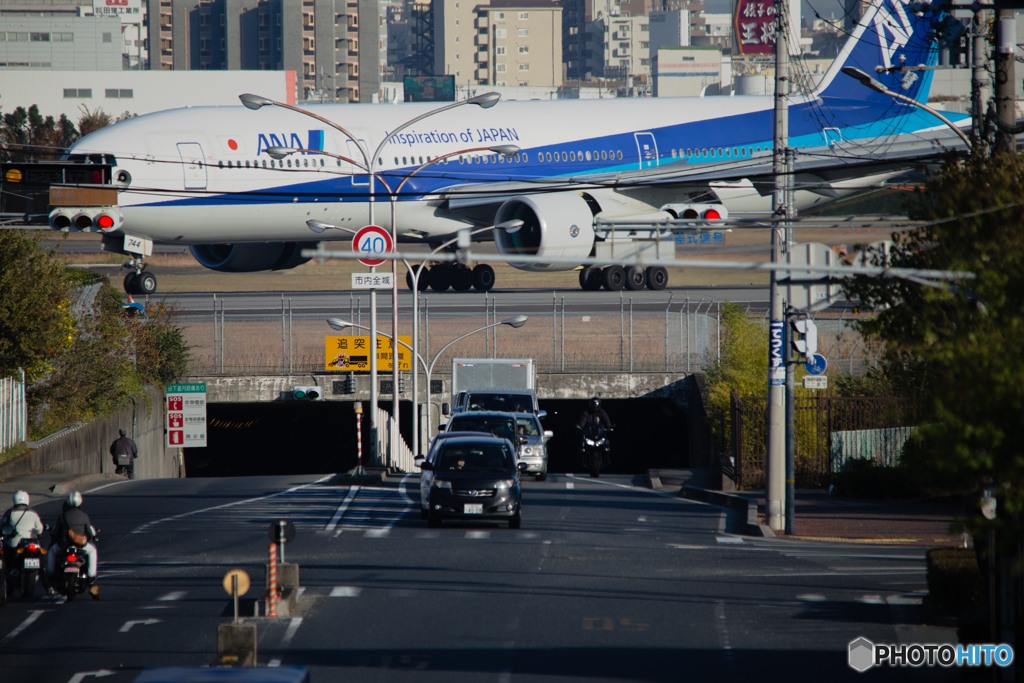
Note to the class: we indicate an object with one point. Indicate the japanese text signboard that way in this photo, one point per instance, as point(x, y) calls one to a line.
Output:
point(755, 27)
point(186, 415)
point(353, 353)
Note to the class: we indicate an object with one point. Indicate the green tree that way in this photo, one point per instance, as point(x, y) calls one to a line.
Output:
point(962, 347)
point(28, 136)
point(743, 367)
point(36, 326)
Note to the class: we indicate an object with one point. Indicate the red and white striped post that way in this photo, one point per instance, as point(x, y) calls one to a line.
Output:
point(272, 598)
point(359, 438)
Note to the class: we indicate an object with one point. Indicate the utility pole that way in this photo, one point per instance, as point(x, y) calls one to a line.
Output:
point(790, 505)
point(775, 475)
point(981, 90)
point(1006, 47)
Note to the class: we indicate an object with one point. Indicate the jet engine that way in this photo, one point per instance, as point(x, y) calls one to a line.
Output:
point(251, 257)
point(560, 224)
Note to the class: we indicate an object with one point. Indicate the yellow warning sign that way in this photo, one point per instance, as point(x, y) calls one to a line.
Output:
point(353, 353)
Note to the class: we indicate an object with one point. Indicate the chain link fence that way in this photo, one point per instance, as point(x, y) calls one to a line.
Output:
point(566, 333)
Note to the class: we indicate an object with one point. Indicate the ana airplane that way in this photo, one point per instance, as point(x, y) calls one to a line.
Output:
point(211, 178)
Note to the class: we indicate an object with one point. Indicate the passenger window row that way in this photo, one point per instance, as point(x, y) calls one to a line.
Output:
point(281, 163)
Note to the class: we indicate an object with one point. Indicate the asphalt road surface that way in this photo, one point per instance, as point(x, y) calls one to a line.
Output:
point(605, 581)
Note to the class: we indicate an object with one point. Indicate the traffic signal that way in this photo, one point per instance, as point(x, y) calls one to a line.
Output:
point(706, 212)
point(306, 393)
point(350, 383)
point(401, 383)
point(803, 340)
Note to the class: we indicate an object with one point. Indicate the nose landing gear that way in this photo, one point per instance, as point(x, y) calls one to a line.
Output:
point(139, 280)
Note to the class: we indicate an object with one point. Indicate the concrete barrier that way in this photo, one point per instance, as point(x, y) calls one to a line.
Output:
point(747, 509)
point(85, 449)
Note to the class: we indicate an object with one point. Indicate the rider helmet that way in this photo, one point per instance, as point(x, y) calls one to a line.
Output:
point(595, 404)
point(74, 499)
point(21, 497)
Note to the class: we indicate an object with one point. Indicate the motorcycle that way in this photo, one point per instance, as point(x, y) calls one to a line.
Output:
point(28, 566)
point(71, 580)
point(595, 448)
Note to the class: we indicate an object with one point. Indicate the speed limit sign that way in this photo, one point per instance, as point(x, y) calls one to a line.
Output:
point(372, 240)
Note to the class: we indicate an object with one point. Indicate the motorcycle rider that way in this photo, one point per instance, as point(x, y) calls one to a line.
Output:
point(21, 523)
point(74, 522)
point(124, 448)
point(594, 413)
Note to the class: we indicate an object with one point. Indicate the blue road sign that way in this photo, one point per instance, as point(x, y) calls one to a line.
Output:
point(817, 365)
point(776, 358)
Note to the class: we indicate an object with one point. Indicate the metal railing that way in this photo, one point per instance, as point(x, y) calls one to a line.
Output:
point(568, 333)
point(831, 432)
point(12, 411)
point(400, 457)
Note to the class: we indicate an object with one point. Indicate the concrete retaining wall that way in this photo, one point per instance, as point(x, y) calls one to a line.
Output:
point(86, 449)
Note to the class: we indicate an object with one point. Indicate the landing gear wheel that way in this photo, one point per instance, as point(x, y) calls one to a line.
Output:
point(613, 278)
point(440, 278)
point(28, 585)
point(590, 279)
point(145, 282)
point(483, 278)
point(130, 284)
point(433, 522)
point(516, 521)
point(636, 278)
point(462, 278)
point(657, 278)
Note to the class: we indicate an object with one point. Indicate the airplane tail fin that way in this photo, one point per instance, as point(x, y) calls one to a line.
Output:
point(887, 35)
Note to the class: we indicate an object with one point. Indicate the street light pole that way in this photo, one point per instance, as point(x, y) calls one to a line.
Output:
point(485, 101)
point(514, 322)
point(877, 86)
point(320, 226)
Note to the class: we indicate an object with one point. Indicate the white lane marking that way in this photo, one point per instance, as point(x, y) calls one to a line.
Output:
point(871, 600)
point(728, 539)
point(32, 616)
point(569, 485)
point(683, 546)
point(173, 595)
point(80, 676)
point(528, 534)
point(877, 573)
point(877, 569)
point(377, 533)
point(428, 534)
point(811, 597)
point(723, 631)
point(641, 519)
point(293, 628)
point(341, 510)
point(346, 591)
point(145, 527)
point(401, 489)
point(107, 486)
point(546, 542)
point(127, 626)
point(478, 534)
point(274, 663)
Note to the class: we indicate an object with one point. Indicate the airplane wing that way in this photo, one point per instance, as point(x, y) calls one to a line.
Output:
point(816, 170)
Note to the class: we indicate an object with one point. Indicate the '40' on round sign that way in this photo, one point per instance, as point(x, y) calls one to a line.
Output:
point(372, 240)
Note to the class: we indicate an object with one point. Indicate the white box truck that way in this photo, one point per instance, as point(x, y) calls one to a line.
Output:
point(493, 373)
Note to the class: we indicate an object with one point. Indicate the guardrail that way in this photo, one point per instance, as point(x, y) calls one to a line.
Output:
point(12, 411)
point(400, 456)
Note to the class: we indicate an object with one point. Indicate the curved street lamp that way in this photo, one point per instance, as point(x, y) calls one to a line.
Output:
point(877, 86)
point(339, 324)
point(484, 101)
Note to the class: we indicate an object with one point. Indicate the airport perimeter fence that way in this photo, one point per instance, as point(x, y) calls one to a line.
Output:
point(564, 333)
point(832, 433)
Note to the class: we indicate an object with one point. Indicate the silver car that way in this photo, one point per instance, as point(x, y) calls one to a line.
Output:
point(533, 441)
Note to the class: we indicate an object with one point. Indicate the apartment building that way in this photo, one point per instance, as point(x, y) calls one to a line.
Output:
point(504, 42)
point(333, 46)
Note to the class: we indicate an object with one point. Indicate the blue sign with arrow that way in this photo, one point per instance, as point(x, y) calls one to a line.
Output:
point(817, 365)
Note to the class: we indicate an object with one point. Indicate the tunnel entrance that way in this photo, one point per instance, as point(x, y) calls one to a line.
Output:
point(282, 437)
point(650, 433)
point(319, 437)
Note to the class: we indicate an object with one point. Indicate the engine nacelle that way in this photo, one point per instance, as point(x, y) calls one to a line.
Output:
point(560, 224)
point(251, 257)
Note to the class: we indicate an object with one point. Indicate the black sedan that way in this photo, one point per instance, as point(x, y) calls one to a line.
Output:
point(473, 477)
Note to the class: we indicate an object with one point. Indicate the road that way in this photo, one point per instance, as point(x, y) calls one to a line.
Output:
point(605, 581)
